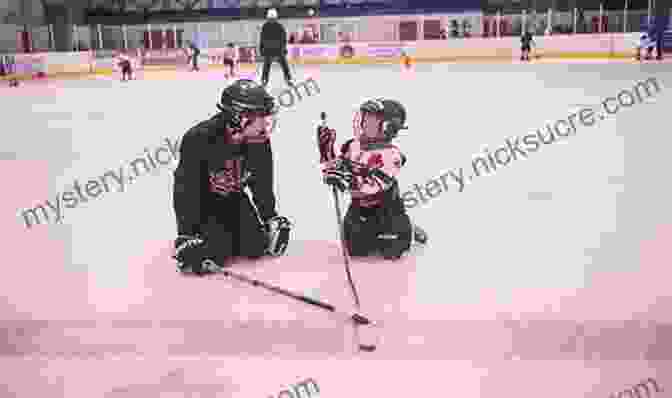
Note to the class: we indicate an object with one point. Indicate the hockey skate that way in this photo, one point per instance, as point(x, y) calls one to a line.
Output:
point(419, 235)
point(207, 267)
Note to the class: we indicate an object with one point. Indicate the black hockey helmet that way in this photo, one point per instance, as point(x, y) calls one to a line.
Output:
point(393, 116)
point(245, 97)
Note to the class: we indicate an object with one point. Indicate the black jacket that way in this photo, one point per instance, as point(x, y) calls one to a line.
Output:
point(273, 41)
point(205, 155)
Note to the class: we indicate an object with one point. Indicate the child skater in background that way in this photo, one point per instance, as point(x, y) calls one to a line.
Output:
point(126, 67)
point(645, 41)
point(230, 61)
point(406, 60)
point(376, 222)
point(526, 41)
point(194, 53)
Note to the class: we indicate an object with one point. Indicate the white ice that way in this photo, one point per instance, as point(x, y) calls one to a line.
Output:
point(568, 219)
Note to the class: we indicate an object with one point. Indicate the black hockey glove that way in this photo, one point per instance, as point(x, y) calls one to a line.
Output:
point(339, 176)
point(277, 229)
point(360, 173)
point(191, 253)
point(326, 138)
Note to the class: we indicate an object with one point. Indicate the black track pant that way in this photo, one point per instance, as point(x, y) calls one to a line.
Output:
point(282, 60)
point(236, 231)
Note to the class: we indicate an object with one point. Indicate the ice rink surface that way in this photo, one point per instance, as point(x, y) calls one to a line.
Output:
point(550, 276)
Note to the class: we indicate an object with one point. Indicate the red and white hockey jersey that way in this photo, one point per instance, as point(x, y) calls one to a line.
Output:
point(386, 158)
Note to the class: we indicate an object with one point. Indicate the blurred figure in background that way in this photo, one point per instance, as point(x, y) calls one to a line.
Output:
point(230, 60)
point(645, 42)
point(193, 56)
point(273, 47)
point(660, 26)
point(124, 63)
point(454, 29)
point(309, 36)
point(526, 41)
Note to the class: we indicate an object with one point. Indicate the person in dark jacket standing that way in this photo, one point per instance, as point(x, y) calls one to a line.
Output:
point(660, 27)
point(223, 191)
point(273, 47)
point(193, 57)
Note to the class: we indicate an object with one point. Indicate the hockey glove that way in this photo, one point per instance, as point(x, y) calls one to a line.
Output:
point(277, 229)
point(362, 174)
point(339, 177)
point(191, 253)
point(326, 139)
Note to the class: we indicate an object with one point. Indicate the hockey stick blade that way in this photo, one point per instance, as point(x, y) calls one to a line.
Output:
point(355, 318)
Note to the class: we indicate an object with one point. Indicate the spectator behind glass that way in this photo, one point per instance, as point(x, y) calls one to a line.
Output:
point(309, 37)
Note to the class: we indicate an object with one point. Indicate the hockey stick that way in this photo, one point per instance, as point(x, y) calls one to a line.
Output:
point(329, 153)
point(356, 318)
point(346, 257)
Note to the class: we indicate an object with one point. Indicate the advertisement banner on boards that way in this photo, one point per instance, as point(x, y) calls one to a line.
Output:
point(30, 64)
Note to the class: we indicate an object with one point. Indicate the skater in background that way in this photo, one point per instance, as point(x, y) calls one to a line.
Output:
point(273, 47)
point(406, 60)
point(526, 41)
point(126, 67)
point(195, 52)
point(7, 64)
point(230, 60)
point(645, 42)
point(661, 24)
point(376, 221)
point(220, 159)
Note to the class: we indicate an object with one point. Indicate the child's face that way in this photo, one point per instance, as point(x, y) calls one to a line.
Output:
point(371, 124)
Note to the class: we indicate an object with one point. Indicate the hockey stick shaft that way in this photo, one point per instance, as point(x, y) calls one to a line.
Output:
point(246, 191)
point(346, 257)
point(346, 260)
point(355, 317)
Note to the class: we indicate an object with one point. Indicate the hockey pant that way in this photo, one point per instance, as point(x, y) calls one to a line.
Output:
point(236, 232)
point(377, 230)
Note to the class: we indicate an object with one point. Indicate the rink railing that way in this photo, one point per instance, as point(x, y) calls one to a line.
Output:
point(600, 46)
point(19, 39)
